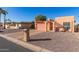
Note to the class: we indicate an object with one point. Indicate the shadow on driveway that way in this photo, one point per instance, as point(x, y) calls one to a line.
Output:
point(45, 39)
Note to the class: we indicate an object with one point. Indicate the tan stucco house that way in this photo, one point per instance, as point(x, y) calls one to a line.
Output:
point(65, 23)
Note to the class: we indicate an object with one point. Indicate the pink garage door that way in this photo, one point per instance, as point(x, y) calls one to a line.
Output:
point(41, 26)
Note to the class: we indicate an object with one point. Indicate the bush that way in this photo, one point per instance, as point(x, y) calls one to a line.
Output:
point(40, 18)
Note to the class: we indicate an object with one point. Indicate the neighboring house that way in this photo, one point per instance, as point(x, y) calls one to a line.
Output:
point(76, 28)
point(65, 23)
point(18, 25)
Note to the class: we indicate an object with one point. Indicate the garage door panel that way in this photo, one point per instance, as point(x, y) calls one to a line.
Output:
point(41, 27)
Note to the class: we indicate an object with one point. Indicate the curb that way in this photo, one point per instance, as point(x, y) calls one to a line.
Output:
point(25, 45)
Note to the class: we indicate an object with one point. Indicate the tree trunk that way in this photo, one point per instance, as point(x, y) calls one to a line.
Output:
point(4, 21)
point(0, 17)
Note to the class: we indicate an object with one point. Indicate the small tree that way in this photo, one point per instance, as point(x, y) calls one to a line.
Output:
point(33, 25)
point(40, 18)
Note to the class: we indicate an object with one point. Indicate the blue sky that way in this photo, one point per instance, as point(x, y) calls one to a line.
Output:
point(28, 13)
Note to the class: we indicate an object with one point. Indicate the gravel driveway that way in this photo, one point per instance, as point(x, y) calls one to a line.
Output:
point(57, 41)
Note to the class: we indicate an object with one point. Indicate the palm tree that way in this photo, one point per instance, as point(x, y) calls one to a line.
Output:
point(0, 13)
point(4, 12)
point(8, 20)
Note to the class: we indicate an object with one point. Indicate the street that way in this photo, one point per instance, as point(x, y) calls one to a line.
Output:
point(7, 46)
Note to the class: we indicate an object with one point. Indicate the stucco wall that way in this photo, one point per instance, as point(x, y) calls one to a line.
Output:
point(70, 19)
point(40, 25)
point(53, 25)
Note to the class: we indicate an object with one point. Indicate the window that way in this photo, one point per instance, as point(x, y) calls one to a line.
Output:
point(66, 25)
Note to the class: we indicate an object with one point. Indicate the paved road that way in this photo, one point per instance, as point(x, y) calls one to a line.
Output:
point(7, 46)
point(6, 31)
point(57, 41)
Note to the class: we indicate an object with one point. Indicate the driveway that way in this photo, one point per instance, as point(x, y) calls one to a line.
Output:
point(18, 33)
point(56, 41)
point(7, 46)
